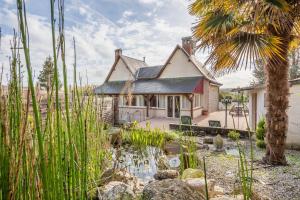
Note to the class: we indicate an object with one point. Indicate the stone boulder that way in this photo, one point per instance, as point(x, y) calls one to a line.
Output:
point(169, 190)
point(198, 184)
point(192, 173)
point(172, 148)
point(208, 140)
point(227, 197)
point(121, 176)
point(115, 190)
point(166, 174)
point(162, 163)
point(115, 137)
point(218, 142)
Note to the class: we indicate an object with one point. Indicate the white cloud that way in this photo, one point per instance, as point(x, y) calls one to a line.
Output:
point(127, 13)
point(156, 2)
point(97, 37)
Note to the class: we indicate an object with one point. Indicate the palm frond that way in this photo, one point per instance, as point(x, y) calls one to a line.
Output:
point(241, 50)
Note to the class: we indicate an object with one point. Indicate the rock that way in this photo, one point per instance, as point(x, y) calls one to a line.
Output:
point(166, 174)
point(202, 146)
point(163, 163)
point(218, 142)
point(115, 190)
point(115, 137)
point(208, 140)
point(199, 185)
point(169, 190)
point(226, 197)
point(121, 176)
point(218, 191)
point(192, 173)
point(173, 148)
point(174, 162)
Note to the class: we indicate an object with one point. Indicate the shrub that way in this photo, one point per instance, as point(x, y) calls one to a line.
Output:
point(261, 144)
point(260, 134)
point(233, 135)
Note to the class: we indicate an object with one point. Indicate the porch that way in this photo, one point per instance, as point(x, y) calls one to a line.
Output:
point(163, 123)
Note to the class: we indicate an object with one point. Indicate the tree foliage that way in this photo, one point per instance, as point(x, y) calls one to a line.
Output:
point(294, 71)
point(46, 76)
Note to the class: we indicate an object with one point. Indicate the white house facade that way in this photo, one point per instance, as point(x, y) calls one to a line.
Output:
point(181, 86)
point(257, 110)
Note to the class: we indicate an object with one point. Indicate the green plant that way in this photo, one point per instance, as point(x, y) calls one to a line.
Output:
point(260, 134)
point(142, 138)
point(234, 135)
point(261, 144)
point(188, 155)
point(244, 173)
point(46, 76)
point(56, 154)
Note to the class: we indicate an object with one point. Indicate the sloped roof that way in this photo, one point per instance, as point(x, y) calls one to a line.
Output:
point(149, 72)
point(185, 85)
point(195, 62)
point(133, 64)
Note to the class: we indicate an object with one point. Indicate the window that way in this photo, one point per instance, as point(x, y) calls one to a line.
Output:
point(140, 100)
point(153, 101)
point(186, 104)
point(133, 101)
point(125, 100)
point(161, 101)
point(121, 102)
point(197, 101)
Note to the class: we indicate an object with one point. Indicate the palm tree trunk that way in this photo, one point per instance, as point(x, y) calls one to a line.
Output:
point(277, 103)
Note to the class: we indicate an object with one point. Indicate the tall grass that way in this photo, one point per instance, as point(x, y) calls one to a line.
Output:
point(57, 156)
point(143, 137)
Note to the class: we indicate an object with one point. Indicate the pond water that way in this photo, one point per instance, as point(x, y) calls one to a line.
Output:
point(232, 152)
point(142, 163)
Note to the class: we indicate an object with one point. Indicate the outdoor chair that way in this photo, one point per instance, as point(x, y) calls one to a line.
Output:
point(186, 120)
point(214, 123)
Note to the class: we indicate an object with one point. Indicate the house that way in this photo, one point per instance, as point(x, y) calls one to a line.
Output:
point(181, 86)
point(257, 110)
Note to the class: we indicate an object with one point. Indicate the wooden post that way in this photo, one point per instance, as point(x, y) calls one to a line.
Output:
point(148, 99)
point(191, 99)
point(192, 106)
point(116, 109)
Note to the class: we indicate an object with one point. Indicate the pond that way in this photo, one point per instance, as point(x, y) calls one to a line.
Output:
point(143, 163)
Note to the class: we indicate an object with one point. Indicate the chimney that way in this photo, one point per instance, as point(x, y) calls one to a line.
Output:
point(188, 44)
point(118, 52)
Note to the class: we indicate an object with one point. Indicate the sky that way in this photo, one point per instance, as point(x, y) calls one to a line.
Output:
point(142, 28)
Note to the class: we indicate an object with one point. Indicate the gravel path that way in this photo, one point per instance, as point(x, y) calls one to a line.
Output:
point(274, 183)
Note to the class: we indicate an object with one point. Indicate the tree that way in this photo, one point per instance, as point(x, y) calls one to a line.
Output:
point(238, 32)
point(258, 72)
point(294, 71)
point(46, 76)
point(295, 64)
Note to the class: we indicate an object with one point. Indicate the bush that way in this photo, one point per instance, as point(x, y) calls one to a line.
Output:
point(260, 144)
point(233, 135)
point(260, 134)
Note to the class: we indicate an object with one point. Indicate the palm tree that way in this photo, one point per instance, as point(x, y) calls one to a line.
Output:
point(238, 32)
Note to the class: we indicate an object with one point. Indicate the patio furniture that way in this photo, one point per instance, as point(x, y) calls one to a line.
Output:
point(214, 123)
point(187, 120)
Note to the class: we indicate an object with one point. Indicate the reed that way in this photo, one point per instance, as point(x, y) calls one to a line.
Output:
point(57, 156)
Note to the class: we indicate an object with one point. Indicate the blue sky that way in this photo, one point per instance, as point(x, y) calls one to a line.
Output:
point(149, 28)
